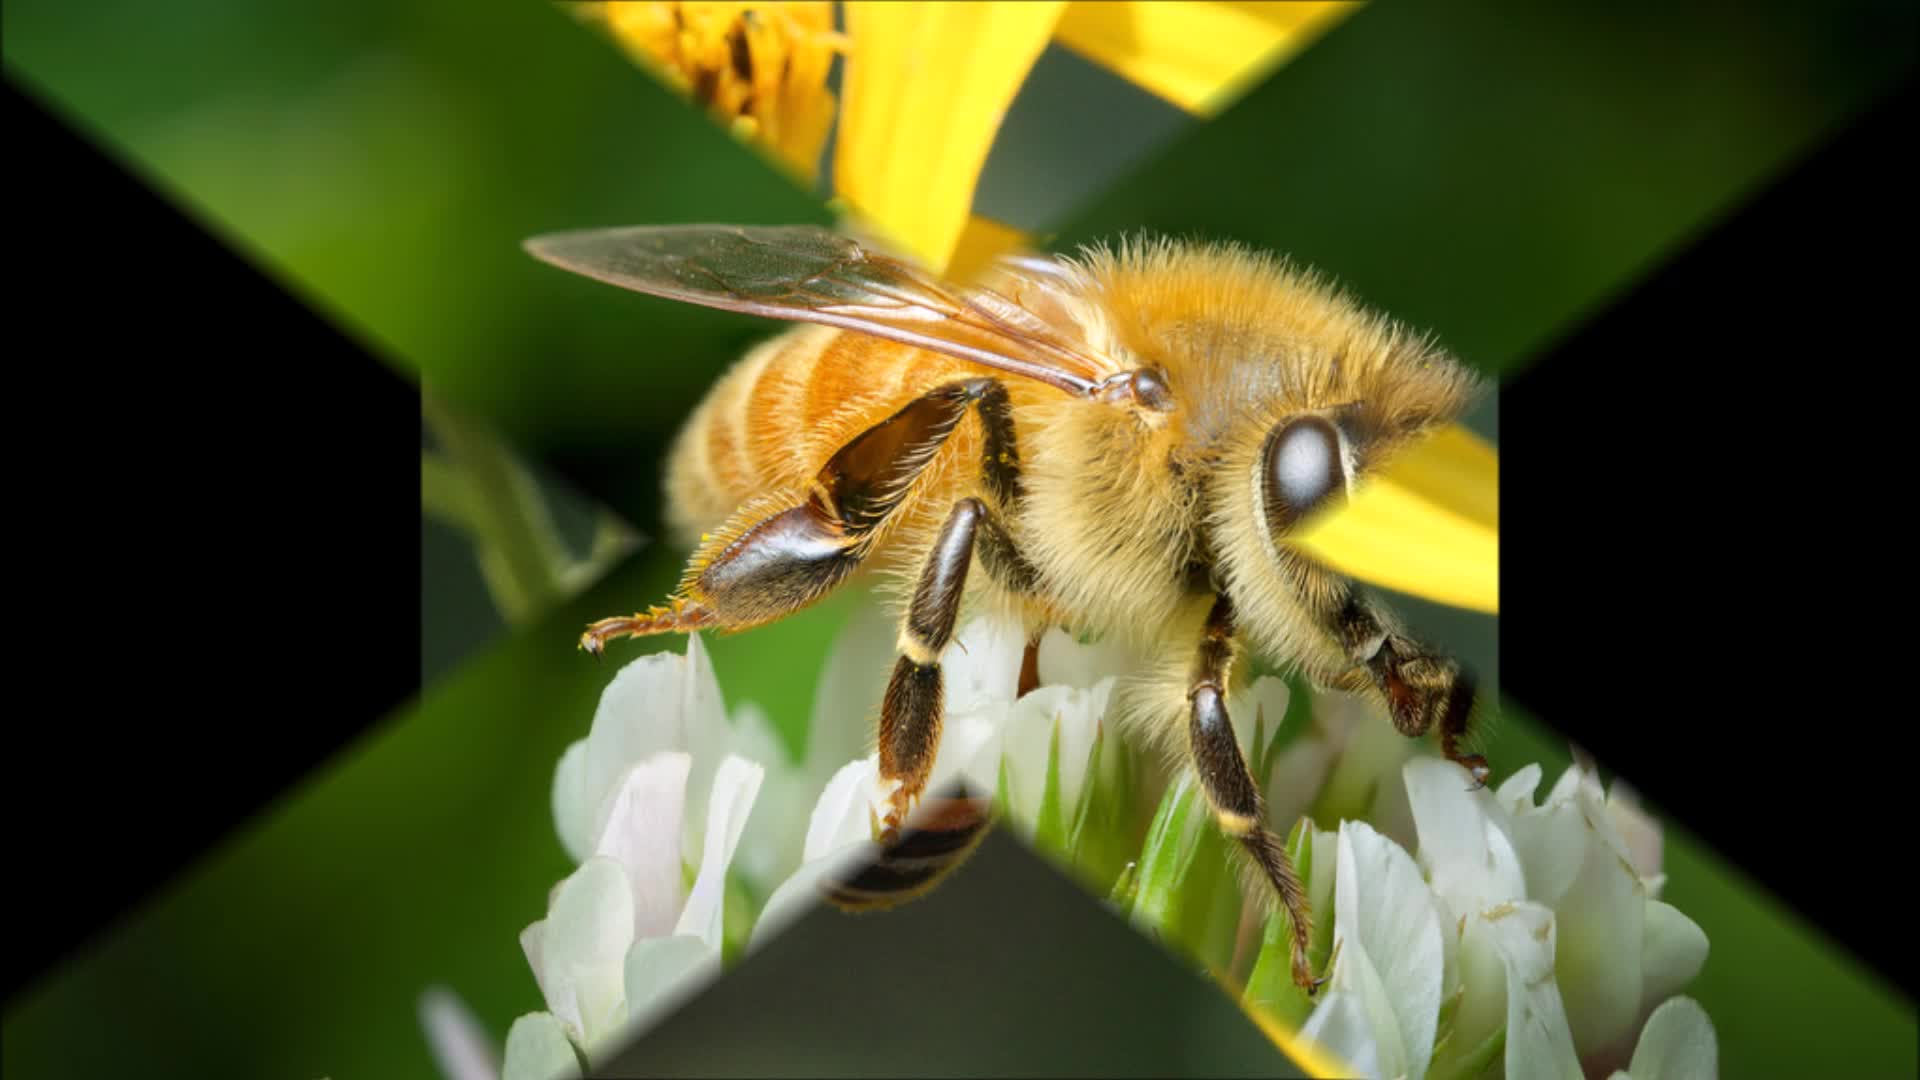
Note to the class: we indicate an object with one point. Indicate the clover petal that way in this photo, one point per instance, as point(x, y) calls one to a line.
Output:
point(459, 1045)
point(770, 848)
point(572, 816)
point(851, 685)
point(1637, 829)
point(801, 893)
point(839, 819)
point(1672, 952)
point(1065, 661)
point(1388, 969)
point(662, 701)
point(1053, 726)
point(1599, 915)
point(1472, 862)
point(734, 788)
point(1257, 710)
point(1551, 840)
point(538, 1049)
point(576, 951)
point(1519, 940)
point(642, 833)
point(981, 667)
point(662, 973)
point(1678, 1042)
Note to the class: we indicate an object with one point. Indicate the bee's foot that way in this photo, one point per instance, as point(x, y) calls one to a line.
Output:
point(885, 830)
point(1303, 972)
point(678, 616)
point(1303, 975)
point(1476, 767)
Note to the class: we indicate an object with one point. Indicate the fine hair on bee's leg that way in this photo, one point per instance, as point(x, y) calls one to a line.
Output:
point(1423, 689)
point(911, 712)
point(951, 824)
point(1229, 784)
point(772, 560)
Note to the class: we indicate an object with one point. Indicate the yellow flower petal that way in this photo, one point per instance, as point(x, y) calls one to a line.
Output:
point(759, 69)
point(982, 241)
point(926, 87)
point(1428, 525)
point(1198, 55)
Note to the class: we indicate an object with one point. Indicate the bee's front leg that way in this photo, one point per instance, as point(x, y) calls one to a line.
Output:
point(1424, 690)
point(1229, 785)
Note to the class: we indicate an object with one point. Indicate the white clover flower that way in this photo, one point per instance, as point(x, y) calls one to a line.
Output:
point(1346, 765)
point(661, 702)
point(537, 1046)
point(1531, 938)
point(649, 791)
point(1677, 1044)
point(984, 729)
point(1045, 753)
point(620, 945)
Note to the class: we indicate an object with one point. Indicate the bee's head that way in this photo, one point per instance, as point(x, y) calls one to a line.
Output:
point(1290, 394)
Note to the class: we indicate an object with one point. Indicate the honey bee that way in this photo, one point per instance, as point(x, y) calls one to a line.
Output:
point(1123, 439)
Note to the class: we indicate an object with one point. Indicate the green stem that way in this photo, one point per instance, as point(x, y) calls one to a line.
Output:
point(476, 483)
point(443, 492)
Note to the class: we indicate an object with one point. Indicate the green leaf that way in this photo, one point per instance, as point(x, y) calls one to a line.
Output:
point(1270, 986)
point(1188, 893)
point(1103, 838)
point(1050, 824)
point(1296, 724)
point(736, 921)
point(1125, 887)
point(1477, 1061)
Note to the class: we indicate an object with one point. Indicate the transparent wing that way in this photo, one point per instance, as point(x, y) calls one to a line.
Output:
point(810, 274)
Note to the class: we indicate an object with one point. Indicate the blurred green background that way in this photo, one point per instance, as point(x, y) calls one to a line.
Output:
point(386, 159)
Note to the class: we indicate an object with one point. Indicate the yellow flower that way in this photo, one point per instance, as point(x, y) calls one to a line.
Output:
point(759, 69)
point(926, 87)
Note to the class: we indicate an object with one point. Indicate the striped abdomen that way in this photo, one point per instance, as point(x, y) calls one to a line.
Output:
point(943, 833)
point(771, 422)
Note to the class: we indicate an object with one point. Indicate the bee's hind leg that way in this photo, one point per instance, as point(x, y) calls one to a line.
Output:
point(1229, 785)
point(773, 558)
point(761, 566)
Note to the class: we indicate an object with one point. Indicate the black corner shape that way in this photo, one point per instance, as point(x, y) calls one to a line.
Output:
point(1693, 499)
point(219, 492)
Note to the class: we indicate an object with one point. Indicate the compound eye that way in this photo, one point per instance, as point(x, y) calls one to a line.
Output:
point(1304, 465)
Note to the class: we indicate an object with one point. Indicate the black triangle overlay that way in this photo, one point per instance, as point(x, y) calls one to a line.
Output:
point(1689, 513)
point(1008, 968)
point(223, 492)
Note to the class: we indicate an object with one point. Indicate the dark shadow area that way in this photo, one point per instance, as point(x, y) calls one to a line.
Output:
point(1006, 969)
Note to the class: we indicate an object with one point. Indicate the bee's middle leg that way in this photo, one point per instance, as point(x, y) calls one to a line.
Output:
point(1229, 784)
point(911, 712)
